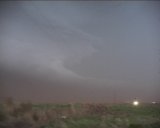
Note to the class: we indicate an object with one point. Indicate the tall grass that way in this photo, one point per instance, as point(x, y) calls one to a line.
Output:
point(28, 115)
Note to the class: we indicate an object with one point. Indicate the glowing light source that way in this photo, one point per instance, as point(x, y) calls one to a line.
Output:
point(153, 102)
point(135, 103)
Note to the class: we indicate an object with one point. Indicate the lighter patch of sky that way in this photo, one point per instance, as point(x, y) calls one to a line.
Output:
point(68, 37)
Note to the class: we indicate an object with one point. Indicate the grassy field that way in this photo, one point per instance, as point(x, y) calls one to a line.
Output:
point(27, 115)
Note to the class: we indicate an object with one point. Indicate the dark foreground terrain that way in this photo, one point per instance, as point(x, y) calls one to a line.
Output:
point(27, 115)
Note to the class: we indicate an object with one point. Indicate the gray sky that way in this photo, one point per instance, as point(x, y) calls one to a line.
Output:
point(89, 50)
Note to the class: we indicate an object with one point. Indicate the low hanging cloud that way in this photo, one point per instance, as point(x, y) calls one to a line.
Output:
point(31, 39)
point(82, 46)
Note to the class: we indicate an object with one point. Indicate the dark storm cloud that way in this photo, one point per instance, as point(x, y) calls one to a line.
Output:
point(34, 35)
point(97, 46)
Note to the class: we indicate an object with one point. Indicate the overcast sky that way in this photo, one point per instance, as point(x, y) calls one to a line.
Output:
point(95, 49)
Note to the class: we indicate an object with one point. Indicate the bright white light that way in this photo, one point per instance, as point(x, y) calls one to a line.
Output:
point(135, 103)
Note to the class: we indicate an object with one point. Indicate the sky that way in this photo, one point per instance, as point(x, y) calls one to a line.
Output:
point(80, 51)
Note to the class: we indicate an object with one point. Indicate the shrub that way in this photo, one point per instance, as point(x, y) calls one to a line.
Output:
point(26, 107)
point(21, 109)
point(96, 109)
point(35, 117)
point(9, 102)
point(22, 124)
point(135, 126)
point(3, 116)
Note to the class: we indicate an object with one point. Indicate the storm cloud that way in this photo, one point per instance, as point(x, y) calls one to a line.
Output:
point(87, 50)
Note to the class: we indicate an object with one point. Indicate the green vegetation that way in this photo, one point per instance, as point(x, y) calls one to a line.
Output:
point(27, 115)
